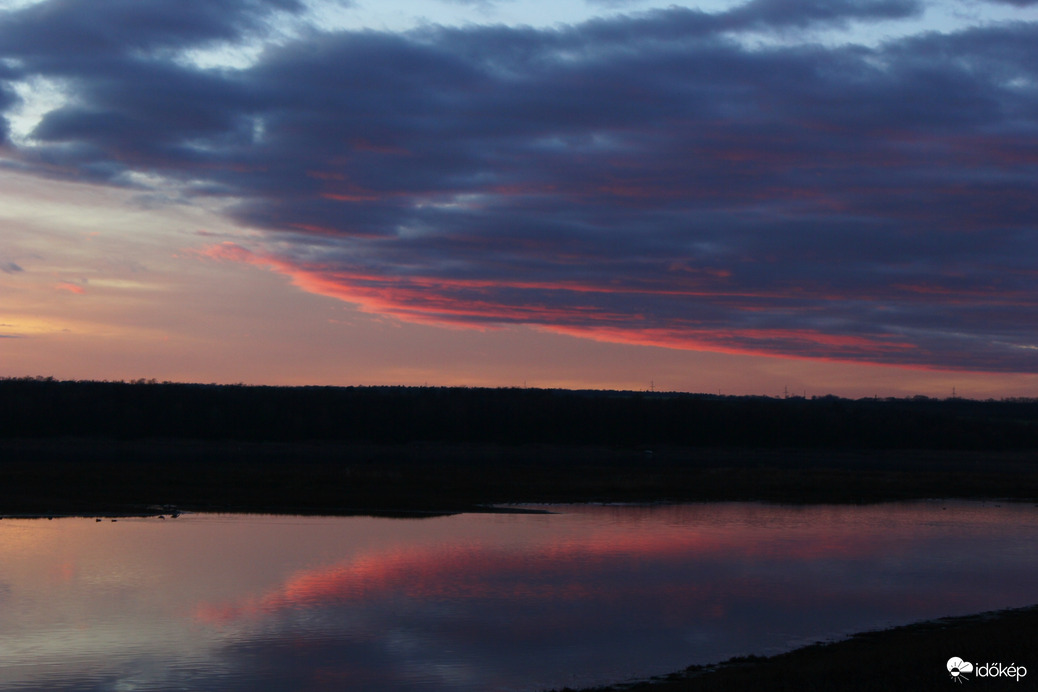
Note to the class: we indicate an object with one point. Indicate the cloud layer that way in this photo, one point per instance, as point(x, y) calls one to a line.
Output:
point(651, 178)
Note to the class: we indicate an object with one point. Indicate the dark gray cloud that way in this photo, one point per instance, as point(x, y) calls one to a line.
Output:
point(8, 99)
point(801, 13)
point(57, 30)
point(644, 178)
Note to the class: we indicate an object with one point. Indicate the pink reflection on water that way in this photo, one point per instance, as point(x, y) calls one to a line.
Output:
point(589, 595)
point(679, 563)
point(561, 568)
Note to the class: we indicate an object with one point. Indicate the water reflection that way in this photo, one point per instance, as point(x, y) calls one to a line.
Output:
point(590, 594)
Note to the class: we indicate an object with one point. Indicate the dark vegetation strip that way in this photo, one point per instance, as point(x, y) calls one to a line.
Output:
point(96, 447)
point(912, 658)
point(395, 415)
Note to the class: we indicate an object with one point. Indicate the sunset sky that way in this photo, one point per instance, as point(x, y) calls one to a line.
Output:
point(812, 196)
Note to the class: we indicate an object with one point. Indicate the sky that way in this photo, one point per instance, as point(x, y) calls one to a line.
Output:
point(766, 197)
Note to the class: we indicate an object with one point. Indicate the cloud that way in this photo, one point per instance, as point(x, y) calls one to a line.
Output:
point(70, 287)
point(802, 13)
point(8, 100)
point(62, 30)
point(481, 4)
point(646, 179)
point(9, 267)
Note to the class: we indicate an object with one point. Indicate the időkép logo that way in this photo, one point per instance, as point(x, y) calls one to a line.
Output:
point(960, 670)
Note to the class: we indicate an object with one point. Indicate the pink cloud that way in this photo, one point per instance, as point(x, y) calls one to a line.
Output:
point(70, 287)
point(557, 306)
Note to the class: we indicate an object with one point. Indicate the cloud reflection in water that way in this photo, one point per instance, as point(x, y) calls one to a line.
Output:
point(593, 594)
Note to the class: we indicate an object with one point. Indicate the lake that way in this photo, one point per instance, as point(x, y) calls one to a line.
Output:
point(582, 594)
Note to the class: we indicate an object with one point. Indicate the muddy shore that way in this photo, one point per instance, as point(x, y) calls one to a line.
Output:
point(912, 658)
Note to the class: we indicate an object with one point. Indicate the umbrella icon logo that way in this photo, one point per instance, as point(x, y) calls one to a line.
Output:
point(958, 668)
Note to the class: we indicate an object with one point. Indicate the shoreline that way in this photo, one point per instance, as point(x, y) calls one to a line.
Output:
point(174, 512)
point(51, 477)
point(404, 513)
point(906, 658)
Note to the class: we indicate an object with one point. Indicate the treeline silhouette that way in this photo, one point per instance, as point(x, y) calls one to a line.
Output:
point(47, 408)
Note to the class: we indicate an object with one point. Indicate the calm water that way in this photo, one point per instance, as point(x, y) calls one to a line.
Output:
point(588, 594)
